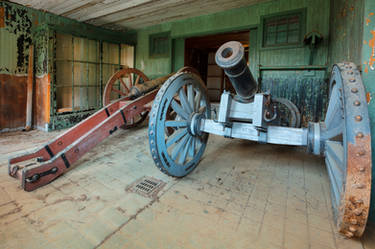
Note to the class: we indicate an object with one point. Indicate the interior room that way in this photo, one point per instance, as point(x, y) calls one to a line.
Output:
point(187, 124)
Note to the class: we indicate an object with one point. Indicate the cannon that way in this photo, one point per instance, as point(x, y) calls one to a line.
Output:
point(180, 122)
point(133, 98)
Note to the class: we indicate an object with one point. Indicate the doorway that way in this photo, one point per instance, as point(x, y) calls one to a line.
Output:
point(200, 54)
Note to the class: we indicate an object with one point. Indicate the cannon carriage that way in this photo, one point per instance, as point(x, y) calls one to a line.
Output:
point(180, 121)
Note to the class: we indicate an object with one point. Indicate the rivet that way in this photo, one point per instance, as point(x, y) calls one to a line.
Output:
point(59, 143)
point(359, 186)
point(354, 90)
point(353, 221)
point(350, 72)
point(352, 80)
point(151, 133)
point(357, 211)
point(361, 153)
point(352, 229)
point(359, 135)
point(359, 201)
point(362, 168)
point(358, 118)
point(349, 234)
point(357, 103)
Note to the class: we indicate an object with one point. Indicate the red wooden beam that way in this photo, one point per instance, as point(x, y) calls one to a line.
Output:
point(56, 157)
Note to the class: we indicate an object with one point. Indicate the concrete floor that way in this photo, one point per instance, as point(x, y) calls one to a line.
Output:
point(242, 195)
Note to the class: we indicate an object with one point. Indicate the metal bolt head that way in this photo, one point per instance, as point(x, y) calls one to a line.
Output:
point(349, 234)
point(357, 103)
point(359, 186)
point(359, 135)
point(353, 221)
point(362, 169)
point(352, 80)
point(358, 118)
point(361, 153)
point(357, 211)
point(354, 90)
point(359, 201)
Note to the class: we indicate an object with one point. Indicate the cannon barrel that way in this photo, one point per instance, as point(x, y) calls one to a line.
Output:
point(230, 57)
point(143, 88)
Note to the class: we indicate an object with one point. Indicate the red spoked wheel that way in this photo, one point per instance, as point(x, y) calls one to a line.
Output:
point(119, 85)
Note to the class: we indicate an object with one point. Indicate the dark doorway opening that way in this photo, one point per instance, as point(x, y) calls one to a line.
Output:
point(200, 54)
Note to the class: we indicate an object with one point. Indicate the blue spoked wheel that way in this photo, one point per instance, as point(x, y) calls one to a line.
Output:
point(176, 144)
point(347, 149)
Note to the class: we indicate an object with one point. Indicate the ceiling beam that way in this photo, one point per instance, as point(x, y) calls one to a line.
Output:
point(101, 9)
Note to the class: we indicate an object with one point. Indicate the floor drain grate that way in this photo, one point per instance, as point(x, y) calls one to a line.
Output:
point(146, 186)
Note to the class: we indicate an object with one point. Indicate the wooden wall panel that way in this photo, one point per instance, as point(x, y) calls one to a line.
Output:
point(12, 101)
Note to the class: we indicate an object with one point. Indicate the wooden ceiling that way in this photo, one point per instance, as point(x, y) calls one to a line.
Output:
point(133, 14)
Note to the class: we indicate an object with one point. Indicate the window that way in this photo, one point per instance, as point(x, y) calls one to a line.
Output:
point(77, 73)
point(83, 67)
point(159, 45)
point(283, 30)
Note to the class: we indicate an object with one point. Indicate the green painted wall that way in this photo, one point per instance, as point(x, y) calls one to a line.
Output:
point(346, 21)
point(239, 19)
point(18, 30)
point(16, 35)
point(368, 75)
point(249, 18)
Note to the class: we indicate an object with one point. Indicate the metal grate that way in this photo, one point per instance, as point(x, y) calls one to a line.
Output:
point(146, 186)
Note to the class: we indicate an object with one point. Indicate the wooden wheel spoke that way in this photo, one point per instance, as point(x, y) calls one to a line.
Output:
point(184, 101)
point(175, 137)
point(118, 91)
point(192, 147)
point(137, 79)
point(197, 101)
point(191, 96)
point(130, 79)
point(179, 110)
point(124, 84)
point(179, 146)
point(174, 123)
point(182, 157)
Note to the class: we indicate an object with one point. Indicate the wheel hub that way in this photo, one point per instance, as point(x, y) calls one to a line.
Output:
point(194, 123)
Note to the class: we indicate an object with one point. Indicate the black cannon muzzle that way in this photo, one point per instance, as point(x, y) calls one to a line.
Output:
point(230, 57)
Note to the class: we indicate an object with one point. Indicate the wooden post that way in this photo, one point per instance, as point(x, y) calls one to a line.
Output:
point(30, 78)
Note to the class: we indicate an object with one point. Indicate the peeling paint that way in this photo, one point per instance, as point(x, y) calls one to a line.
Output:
point(368, 20)
point(370, 64)
point(2, 23)
point(371, 44)
point(368, 97)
